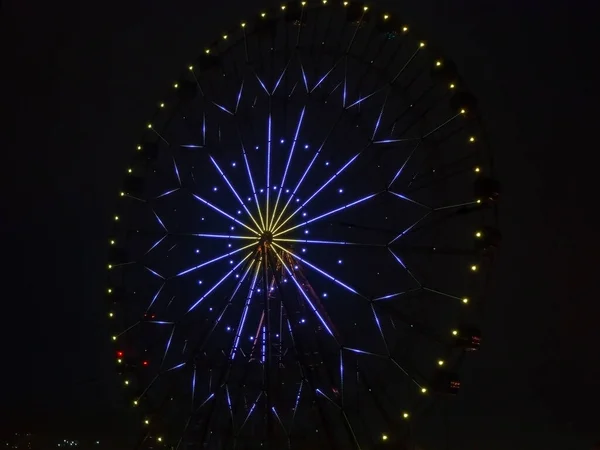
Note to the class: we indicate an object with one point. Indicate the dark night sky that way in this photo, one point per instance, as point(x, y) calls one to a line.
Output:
point(83, 79)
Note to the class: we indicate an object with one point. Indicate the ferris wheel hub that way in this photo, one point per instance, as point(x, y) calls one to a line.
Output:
point(266, 237)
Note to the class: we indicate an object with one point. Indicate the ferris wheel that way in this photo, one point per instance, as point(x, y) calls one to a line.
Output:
point(303, 238)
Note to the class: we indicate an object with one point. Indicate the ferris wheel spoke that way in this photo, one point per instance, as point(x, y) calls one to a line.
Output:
point(240, 201)
point(207, 203)
point(407, 230)
point(289, 160)
point(401, 169)
point(306, 297)
point(244, 315)
point(218, 258)
point(329, 213)
point(408, 271)
point(218, 283)
point(250, 178)
point(333, 177)
point(458, 205)
point(269, 139)
point(322, 272)
point(410, 200)
point(324, 242)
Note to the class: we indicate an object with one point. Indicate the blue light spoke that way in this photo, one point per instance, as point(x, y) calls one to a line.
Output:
point(341, 208)
point(410, 228)
point(363, 352)
point(378, 323)
point(242, 322)
point(333, 177)
point(224, 236)
point(261, 83)
point(191, 146)
point(218, 258)
point(164, 194)
point(239, 97)
point(207, 203)
point(269, 136)
point(322, 272)
point(168, 345)
point(308, 300)
point(222, 108)
point(239, 199)
point(160, 221)
point(156, 244)
point(251, 410)
point(278, 419)
point(218, 283)
point(252, 185)
point(176, 366)
point(155, 297)
point(304, 77)
point(387, 94)
point(401, 169)
point(395, 141)
point(396, 294)
point(176, 171)
point(312, 241)
point(366, 97)
point(325, 76)
point(281, 76)
point(289, 160)
point(399, 260)
point(404, 197)
point(209, 398)
point(153, 272)
point(321, 393)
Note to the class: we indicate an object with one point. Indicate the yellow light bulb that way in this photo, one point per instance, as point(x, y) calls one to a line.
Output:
point(345, 3)
point(303, 3)
point(477, 170)
point(207, 51)
point(119, 361)
point(366, 8)
point(139, 147)
point(405, 415)
point(283, 7)
point(454, 332)
point(129, 170)
point(478, 201)
point(111, 314)
point(109, 266)
point(452, 86)
point(465, 300)
point(150, 125)
point(159, 439)
point(474, 268)
point(112, 242)
point(225, 36)
point(384, 437)
point(463, 111)
point(122, 194)
point(114, 338)
point(478, 234)
point(263, 14)
point(109, 290)
point(324, 2)
point(405, 29)
point(243, 24)
point(162, 105)
point(386, 17)
point(441, 362)
point(176, 85)
point(146, 422)
point(472, 139)
point(424, 390)
point(135, 402)
point(421, 44)
point(116, 218)
point(126, 382)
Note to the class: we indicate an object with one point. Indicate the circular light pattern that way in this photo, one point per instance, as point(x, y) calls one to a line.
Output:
point(392, 251)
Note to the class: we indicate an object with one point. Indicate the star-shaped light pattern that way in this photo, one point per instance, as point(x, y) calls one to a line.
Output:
point(295, 251)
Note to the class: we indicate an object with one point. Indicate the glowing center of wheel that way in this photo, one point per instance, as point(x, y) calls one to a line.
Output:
point(266, 237)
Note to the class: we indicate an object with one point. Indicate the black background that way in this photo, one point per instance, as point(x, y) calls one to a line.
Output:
point(81, 79)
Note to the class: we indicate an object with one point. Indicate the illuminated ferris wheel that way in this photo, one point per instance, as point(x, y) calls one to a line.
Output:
point(303, 237)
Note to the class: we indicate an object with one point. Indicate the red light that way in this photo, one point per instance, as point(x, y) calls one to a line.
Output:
point(120, 354)
point(145, 363)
